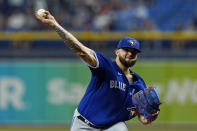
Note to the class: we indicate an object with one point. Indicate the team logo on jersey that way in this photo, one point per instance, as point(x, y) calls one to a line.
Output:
point(132, 42)
point(131, 93)
point(131, 111)
point(118, 85)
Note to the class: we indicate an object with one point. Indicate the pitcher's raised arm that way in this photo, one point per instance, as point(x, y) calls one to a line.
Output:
point(77, 47)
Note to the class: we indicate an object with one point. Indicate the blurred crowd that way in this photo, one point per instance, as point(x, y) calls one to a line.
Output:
point(95, 15)
point(101, 15)
point(18, 15)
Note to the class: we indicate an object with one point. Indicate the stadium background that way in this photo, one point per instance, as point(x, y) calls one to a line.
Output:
point(41, 80)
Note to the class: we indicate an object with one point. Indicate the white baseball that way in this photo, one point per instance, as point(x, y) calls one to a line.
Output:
point(40, 11)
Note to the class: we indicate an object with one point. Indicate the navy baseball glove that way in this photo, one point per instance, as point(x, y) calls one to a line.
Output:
point(147, 103)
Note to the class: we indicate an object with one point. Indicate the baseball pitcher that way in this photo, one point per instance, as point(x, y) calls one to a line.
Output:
point(115, 93)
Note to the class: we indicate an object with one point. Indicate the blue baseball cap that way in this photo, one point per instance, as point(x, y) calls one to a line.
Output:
point(130, 43)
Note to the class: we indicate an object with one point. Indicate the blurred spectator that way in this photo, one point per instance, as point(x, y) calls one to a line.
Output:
point(16, 21)
point(141, 11)
point(103, 18)
point(40, 4)
point(31, 22)
point(16, 4)
point(81, 20)
point(123, 16)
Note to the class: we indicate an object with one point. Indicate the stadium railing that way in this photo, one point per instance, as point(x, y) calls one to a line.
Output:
point(101, 36)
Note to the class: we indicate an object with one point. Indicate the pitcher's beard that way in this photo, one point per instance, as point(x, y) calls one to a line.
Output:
point(126, 63)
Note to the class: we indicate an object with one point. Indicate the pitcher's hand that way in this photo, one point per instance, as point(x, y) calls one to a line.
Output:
point(46, 17)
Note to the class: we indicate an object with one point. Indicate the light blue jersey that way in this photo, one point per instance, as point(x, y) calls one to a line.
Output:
point(108, 98)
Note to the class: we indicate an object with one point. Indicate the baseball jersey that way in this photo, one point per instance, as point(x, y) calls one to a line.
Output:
point(108, 97)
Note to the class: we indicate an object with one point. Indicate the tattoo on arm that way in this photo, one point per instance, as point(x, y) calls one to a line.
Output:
point(85, 53)
point(69, 39)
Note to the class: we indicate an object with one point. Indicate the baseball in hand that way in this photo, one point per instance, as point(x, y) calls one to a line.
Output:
point(40, 11)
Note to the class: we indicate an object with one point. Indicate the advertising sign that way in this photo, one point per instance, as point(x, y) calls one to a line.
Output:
point(47, 92)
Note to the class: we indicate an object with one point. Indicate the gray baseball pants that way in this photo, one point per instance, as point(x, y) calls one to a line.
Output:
point(79, 125)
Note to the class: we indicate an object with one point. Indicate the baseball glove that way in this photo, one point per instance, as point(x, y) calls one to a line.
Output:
point(147, 103)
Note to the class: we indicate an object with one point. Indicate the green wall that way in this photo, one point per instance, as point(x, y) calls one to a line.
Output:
point(47, 92)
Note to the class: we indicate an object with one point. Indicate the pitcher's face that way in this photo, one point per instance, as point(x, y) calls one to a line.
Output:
point(127, 56)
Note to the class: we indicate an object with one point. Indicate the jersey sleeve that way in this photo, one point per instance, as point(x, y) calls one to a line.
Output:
point(102, 61)
point(140, 82)
point(143, 87)
point(143, 83)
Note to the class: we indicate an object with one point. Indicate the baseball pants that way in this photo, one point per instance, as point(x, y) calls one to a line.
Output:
point(79, 125)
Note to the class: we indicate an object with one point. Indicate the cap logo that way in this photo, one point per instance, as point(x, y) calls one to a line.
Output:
point(132, 42)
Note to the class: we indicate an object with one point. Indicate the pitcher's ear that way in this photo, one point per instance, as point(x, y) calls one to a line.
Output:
point(116, 51)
